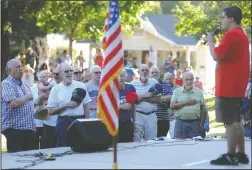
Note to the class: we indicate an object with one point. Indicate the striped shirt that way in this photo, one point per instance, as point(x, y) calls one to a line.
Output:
point(170, 111)
point(162, 109)
point(21, 118)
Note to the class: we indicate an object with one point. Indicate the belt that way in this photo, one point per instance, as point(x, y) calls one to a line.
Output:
point(189, 120)
point(145, 113)
point(72, 117)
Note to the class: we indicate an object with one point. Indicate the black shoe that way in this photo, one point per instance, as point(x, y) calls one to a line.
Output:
point(242, 158)
point(225, 159)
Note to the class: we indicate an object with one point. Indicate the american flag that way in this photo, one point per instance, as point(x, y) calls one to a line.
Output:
point(108, 96)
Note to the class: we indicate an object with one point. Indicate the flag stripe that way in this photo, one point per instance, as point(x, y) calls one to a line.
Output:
point(107, 115)
point(113, 54)
point(112, 98)
point(117, 66)
point(116, 34)
point(111, 46)
point(109, 106)
point(112, 63)
point(113, 28)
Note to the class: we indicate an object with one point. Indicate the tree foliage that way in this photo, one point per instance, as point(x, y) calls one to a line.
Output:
point(15, 27)
point(85, 19)
point(201, 17)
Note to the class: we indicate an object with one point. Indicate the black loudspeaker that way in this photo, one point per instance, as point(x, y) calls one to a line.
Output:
point(88, 135)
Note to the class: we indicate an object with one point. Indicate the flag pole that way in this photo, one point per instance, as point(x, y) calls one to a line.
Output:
point(115, 166)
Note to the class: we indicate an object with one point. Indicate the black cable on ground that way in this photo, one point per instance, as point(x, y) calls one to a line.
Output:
point(41, 157)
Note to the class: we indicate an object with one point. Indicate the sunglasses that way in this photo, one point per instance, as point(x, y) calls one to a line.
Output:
point(77, 72)
point(55, 74)
point(97, 72)
point(68, 71)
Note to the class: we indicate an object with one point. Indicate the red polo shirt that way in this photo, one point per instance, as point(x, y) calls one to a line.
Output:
point(232, 71)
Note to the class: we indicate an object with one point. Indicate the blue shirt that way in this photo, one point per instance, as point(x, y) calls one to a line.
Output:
point(21, 118)
point(162, 109)
point(171, 69)
point(124, 114)
point(92, 89)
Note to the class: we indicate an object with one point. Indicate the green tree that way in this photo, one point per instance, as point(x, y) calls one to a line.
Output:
point(167, 6)
point(204, 16)
point(15, 27)
point(85, 19)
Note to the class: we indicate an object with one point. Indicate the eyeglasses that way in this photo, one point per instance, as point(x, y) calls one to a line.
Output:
point(77, 72)
point(97, 72)
point(56, 74)
point(68, 71)
point(143, 70)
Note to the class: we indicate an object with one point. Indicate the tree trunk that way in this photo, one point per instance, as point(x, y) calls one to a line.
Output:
point(4, 54)
point(5, 41)
point(70, 35)
point(70, 48)
point(23, 46)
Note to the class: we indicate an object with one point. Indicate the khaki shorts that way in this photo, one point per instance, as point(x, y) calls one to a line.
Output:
point(228, 110)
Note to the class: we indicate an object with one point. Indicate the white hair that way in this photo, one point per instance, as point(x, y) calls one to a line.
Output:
point(94, 67)
point(187, 73)
point(155, 67)
point(167, 74)
point(125, 72)
point(10, 63)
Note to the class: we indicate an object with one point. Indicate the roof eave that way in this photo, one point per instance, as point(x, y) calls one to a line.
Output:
point(170, 42)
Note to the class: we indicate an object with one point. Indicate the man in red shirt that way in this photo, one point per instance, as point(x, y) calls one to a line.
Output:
point(232, 74)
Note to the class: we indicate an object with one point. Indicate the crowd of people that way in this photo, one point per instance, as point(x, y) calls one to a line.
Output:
point(179, 111)
point(149, 118)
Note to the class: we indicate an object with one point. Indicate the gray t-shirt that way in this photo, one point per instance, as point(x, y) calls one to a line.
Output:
point(92, 89)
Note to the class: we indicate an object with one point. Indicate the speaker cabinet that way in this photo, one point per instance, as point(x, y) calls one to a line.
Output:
point(88, 135)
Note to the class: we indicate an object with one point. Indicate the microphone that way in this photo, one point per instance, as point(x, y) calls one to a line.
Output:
point(215, 31)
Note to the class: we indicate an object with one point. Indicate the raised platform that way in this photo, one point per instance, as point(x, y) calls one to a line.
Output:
point(167, 154)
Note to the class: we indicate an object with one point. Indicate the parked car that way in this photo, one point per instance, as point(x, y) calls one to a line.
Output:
point(132, 74)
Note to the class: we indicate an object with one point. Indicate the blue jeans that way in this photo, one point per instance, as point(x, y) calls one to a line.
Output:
point(186, 128)
point(63, 122)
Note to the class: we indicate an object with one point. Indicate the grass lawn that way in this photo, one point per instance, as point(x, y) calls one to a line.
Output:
point(216, 129)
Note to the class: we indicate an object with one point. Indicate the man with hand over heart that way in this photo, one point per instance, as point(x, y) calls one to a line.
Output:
point(189, 106)
point(127, 116)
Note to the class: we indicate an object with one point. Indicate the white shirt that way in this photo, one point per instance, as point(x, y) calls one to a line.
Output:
point(53, 118)
point(34, 89)
point(61, 94)
point(141, 89)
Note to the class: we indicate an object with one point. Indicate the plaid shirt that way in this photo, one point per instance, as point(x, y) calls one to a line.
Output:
point(162, 109)
point(17, 118)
